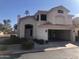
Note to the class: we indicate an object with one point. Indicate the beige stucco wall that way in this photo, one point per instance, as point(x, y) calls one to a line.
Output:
point(76, 31)
point(23, 22)
point(57, 18)
point(76, 25)
point(41, 32)
point(67, 34)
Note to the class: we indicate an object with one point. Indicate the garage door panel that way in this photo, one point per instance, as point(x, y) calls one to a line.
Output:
point(59, 35)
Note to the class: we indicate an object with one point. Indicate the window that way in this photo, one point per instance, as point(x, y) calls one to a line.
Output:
point(37, 17)
point(43, 17)
point(60, 11)
point(78, 32)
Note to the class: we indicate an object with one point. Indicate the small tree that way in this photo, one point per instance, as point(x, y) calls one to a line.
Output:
point(6, 21)
point(1, 27)
point(26, 12)
point(15, 26)
point(7, 26)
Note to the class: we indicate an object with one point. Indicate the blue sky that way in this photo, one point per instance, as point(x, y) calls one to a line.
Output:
point(9, 9)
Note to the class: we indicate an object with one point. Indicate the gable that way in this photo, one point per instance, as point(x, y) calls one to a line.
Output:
point(59, 19)
point(59, 8)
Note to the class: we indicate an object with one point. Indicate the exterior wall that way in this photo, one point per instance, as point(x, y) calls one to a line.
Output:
point(1, 33)
point(57, 27)
point(63, 18)
point(42, 34)
point(76, 25)
point(76, 21)
point(23, 22)
point(76, 31)
point(72, 36)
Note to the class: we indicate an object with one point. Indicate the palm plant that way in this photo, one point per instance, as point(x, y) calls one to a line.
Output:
point(7, 26)
point(26, 12)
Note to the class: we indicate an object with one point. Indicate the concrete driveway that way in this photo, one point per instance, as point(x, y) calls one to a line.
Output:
point(70, 53)
point(56, 45)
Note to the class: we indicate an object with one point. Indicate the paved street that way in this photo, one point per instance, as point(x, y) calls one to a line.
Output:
point(70, 53)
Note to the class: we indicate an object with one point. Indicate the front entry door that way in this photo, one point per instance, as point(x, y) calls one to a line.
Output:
point(28, 31)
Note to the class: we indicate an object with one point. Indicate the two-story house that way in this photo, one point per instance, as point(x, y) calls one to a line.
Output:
point(53, 25)
point(76, 25)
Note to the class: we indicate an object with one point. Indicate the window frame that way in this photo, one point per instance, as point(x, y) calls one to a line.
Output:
point(37, 17)
point(43, 17)
point(60, 11)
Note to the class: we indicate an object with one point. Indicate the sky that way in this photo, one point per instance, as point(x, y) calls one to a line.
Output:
point(9, 9)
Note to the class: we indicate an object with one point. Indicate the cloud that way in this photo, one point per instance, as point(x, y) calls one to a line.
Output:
point(77, 15)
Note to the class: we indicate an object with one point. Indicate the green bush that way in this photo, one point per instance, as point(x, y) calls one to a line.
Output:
point(41, 41)
point(12, 40)
point(15, 40)
point(46, 41)
point(77, 38)
point(13, 36)
point(3, 47)
point(23, 40)
point(27, 45)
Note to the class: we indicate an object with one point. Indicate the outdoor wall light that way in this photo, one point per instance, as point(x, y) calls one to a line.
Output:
point(73, 30)
point(45, 30)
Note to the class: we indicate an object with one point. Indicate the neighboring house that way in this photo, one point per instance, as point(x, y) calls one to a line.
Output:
point(76, 25)
point(55, 24)
point(1, 33)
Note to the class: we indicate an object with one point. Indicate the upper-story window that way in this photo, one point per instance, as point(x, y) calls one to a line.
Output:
point(37, 17)
point(60, 11)
point(43, 17)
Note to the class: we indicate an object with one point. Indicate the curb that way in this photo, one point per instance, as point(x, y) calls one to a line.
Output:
point(31, 51)
point(50, 49)
point(19, 52)
point(35, 51)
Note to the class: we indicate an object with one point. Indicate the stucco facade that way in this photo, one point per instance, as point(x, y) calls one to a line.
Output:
point(58, 19)
point(76, 25)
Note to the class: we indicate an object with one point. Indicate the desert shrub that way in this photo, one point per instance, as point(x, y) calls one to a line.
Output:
point(46, 41)
point(23, 40)
point(36, 40)
point(3, 47)
point(77, 38)
point(13, 40)
point(41, 41)
point(13, 36)
point(27, 45)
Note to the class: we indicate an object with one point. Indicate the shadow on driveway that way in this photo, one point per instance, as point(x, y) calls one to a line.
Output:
point(52, 45)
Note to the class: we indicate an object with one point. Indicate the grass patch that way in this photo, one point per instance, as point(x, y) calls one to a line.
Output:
point(3, 47)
